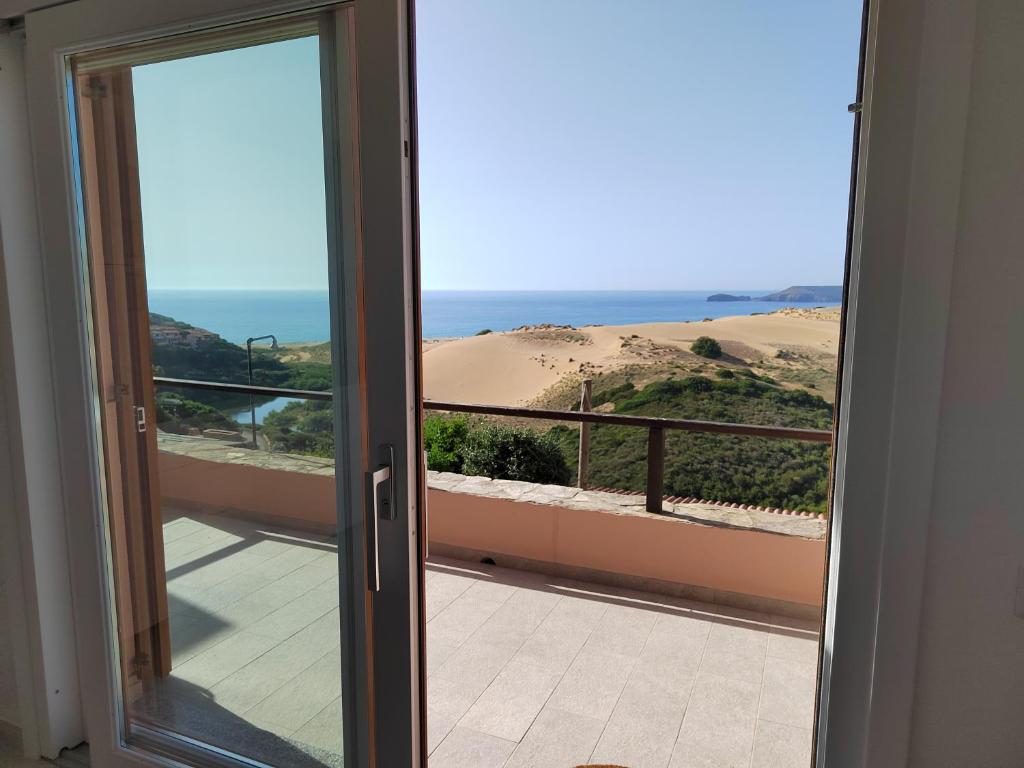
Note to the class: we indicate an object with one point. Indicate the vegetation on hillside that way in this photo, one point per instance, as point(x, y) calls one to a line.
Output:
point(181, 416)
point(767, 472)
point(763, 471)
point(705, 346)
point(305, 427)
point(205, 356)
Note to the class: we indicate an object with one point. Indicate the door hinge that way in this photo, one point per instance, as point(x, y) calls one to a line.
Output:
point(140, 418)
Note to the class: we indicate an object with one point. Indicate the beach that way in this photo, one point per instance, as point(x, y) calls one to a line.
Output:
point(543, 364)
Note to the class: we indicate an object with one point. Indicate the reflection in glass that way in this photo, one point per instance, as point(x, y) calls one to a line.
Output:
point(203, 189)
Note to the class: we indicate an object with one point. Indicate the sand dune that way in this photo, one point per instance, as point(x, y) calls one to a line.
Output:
point(515, 367)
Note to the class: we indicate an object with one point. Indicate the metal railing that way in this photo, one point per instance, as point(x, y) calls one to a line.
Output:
point(656, 426)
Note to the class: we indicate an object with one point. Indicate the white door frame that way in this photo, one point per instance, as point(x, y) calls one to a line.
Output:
point(385, 258)
point(35, 545)
point(915, 106)
point(917, 88)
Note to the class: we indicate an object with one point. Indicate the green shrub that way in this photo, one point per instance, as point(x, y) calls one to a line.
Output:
point(305, 427)
point(484, 332)
point(609, 395)
point(514, 453)
point(176, 413)
point(705, 346)
point(752, 470)
point(725, 373)
point(444, 438)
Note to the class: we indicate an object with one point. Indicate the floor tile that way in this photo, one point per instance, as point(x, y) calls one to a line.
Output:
point(440, 648)
point(447, 702)
point(793, 645)
point(623, 630)
point(208, 668)
point(464, 616)
point(296, 614)
point(324, 730)
point(300, 699)
point(781, 746)
point(719, 702)
point(591, 686)
point(490, 589)
point(511, 703)
point(700, 747)
point(466, 748)
point(476, 662)
point(739, 638)
point(550, 671)
point(562, 634)
point(557, 739)
point(261, 677)
point(643, 728)
point(444, 588)
point(739, 666)
point(787, 694)
point(192, 636)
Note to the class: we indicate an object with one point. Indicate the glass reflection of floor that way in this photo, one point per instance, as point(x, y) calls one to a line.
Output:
point(523, 669)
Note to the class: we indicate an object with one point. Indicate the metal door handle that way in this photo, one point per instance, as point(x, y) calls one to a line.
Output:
point(381, 491)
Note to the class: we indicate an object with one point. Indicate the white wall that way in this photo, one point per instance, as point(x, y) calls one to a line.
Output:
point(33, 532)
point(969, 695)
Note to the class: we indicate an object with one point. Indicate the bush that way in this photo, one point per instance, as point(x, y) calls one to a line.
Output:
point(514, 453)
point(443, 440)
point(705, 346)
point(484, 332)
point(305, 427)
point(752, 470)
point(177, 414)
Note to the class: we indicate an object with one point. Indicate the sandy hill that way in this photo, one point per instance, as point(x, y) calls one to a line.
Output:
point(797, 347)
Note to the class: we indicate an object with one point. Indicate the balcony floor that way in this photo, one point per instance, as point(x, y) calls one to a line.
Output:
point(523, 669)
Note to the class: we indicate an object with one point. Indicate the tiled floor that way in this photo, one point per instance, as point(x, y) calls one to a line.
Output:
point(523, 670)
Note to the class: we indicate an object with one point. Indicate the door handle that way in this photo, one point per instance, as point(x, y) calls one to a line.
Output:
point(382, 493)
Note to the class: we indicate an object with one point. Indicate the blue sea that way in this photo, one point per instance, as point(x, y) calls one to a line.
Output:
point(295, 316)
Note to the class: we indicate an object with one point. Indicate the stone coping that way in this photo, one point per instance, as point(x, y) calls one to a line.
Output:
point(706, 513)
point(700, 512)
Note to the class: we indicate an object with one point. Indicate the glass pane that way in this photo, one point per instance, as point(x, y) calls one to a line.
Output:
point(203, 179)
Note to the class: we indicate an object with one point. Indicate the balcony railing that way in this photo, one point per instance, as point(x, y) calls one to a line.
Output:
point(656, 426)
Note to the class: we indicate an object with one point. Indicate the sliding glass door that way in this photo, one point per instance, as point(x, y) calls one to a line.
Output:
point(244, 292)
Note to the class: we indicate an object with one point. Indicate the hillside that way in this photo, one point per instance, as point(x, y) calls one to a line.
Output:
point(826, 294)
point(182, 351)
point(762, 471)
point(544, 366)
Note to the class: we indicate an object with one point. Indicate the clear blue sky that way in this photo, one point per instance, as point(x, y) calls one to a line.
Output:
point(564, 144)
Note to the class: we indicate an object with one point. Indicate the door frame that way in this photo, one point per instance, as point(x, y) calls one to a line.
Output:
point(915, 107)
point(916, 81)
point(381, 136)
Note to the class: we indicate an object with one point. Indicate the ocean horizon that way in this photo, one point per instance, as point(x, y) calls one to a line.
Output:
point(303, 316)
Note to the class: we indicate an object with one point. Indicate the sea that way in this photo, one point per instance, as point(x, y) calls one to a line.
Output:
point(294, 316)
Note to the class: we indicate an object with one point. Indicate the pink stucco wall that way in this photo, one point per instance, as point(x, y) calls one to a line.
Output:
point(271, 495)
point(744, 562)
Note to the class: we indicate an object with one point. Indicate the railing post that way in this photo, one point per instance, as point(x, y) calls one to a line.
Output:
point(584, 462)
point(655, 468)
